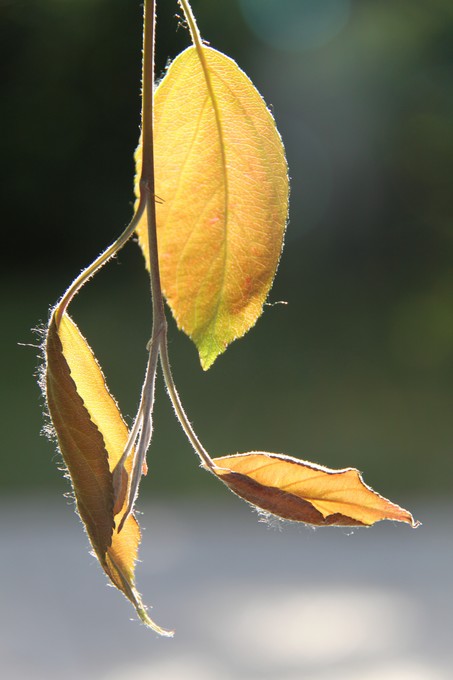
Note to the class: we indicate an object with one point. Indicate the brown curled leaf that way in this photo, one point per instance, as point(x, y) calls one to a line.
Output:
point(92, 436)
point(297, 490)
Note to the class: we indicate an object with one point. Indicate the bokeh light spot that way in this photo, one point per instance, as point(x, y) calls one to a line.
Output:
point(295, 25)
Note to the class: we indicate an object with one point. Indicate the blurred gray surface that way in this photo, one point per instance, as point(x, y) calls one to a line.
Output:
point(247, 600)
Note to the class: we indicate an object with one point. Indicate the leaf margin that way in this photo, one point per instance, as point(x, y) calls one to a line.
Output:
point(236, 481)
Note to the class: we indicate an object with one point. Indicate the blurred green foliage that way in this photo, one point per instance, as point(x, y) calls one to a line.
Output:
point(357, 369)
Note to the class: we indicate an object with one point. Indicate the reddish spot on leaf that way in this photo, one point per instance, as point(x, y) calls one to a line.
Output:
point(221, 172)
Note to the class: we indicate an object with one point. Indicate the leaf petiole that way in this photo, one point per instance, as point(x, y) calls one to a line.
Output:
point(179, 410)
point(140, 435)
point(191, 21)
point(99, 262)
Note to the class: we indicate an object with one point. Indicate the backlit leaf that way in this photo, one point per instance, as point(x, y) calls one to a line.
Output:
point(92, 436)
point(305, 492)
point(222, 187)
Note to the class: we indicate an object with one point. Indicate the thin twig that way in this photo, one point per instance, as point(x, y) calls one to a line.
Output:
point(99, 262)
point(141, 433)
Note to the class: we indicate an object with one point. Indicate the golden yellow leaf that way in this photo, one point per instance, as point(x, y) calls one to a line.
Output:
point(305, 492)
point(92, 436)
point(222, 187)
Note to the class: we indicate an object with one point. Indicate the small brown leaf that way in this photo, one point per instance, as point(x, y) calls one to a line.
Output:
point(305, 492)
point(92, 436)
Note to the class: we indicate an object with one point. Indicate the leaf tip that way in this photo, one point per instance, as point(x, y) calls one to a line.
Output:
point(206, 363)
point(208, 353)
point(147, 620)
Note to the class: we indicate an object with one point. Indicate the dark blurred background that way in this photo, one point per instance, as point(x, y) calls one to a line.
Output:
point(357, 368)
